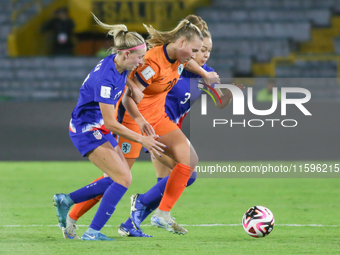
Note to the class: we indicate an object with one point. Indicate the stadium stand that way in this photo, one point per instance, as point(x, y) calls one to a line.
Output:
point(333, 4)
point(303, 69)
point(5, 26)
point(336, 42)
point(264, 38)
point(318, 17)
point(46, 78)
point(288, 39)
point(37, 78)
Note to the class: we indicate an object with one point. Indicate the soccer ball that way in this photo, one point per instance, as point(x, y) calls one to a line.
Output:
point(258, 221)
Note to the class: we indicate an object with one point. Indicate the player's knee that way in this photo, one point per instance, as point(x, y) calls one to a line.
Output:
point(193, 160)
point(128, 180)
point(192, 179)
point(125, 180)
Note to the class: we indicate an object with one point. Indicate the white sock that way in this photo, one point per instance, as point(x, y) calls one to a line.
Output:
point(163, 213)
point(70, 220)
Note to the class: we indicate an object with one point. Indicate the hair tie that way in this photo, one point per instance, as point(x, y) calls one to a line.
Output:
point(142, 46)
point(189, 23)
point(125, 32)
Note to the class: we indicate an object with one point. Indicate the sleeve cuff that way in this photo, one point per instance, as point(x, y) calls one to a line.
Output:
point(141, 80)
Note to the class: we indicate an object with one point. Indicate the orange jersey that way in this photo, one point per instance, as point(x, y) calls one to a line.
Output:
point(158, 75)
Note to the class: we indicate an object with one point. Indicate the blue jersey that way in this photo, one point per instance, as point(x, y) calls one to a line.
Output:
point(104, 84)
point(183, 95)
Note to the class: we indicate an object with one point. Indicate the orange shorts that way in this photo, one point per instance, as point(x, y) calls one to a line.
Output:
point(132, 149)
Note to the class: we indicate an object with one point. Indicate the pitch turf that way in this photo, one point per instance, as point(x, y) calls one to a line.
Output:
point(29, 224)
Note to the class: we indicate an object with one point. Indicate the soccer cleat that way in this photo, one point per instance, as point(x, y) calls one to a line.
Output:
point(137, 211)
point(62, 209)
point(162, 220)
point(70, 231)
point(95, 236)
point(131, 232)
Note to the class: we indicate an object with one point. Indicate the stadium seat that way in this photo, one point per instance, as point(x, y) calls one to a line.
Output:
point(299, 31)
point(319, 17)
point(336, 42)
point(44, 78)
point(261, 49)
point(303, 69)
point(277, 4)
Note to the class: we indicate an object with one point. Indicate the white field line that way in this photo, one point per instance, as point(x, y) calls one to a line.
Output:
point(185, 225)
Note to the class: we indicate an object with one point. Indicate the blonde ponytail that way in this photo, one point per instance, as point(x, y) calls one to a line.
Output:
point(197, 21)
point(122, 38)
point(200, 23)
point(185, 28)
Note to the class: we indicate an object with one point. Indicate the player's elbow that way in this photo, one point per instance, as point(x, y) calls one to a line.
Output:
point(126, 101)
point(221, 106)
point(224, 104)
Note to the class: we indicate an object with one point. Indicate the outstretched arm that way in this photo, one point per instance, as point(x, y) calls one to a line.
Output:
point(209, 77)
point(226, 97)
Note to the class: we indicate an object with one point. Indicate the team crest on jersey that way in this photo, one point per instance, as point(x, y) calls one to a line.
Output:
point(180, 69)
point(126, 147)
point(97, 135)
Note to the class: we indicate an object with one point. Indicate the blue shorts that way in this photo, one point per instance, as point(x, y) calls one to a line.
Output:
point(88, 141)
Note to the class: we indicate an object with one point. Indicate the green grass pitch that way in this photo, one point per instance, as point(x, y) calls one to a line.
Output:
point(29, 222)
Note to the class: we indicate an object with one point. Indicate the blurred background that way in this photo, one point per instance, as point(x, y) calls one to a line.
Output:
point(47, 48)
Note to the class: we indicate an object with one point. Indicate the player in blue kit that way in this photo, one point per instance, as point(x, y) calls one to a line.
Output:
point(90, 130)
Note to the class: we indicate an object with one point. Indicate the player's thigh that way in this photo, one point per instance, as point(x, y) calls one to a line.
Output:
point(129, 161)
point(109, 160)
point(179, 148)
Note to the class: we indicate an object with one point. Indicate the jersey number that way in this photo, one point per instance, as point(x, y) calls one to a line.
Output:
point(117, 95)
point(171, 84)
point(188, 95)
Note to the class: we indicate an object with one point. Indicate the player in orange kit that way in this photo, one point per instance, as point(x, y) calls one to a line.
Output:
point(163, 66)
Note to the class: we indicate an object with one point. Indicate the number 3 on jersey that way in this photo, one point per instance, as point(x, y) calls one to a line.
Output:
point(188, 95)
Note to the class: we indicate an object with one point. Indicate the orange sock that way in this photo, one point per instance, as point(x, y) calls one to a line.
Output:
point(80, 209)
point(175, 186)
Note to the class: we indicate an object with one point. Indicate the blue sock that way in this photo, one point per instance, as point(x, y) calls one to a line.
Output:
point(192, 178)
point(91, 191)
point(153, 197)
point(151, 208)
point(154, 193)
point(111, 197)
point(154, 205)
point(157, 191)
point(128, 222)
